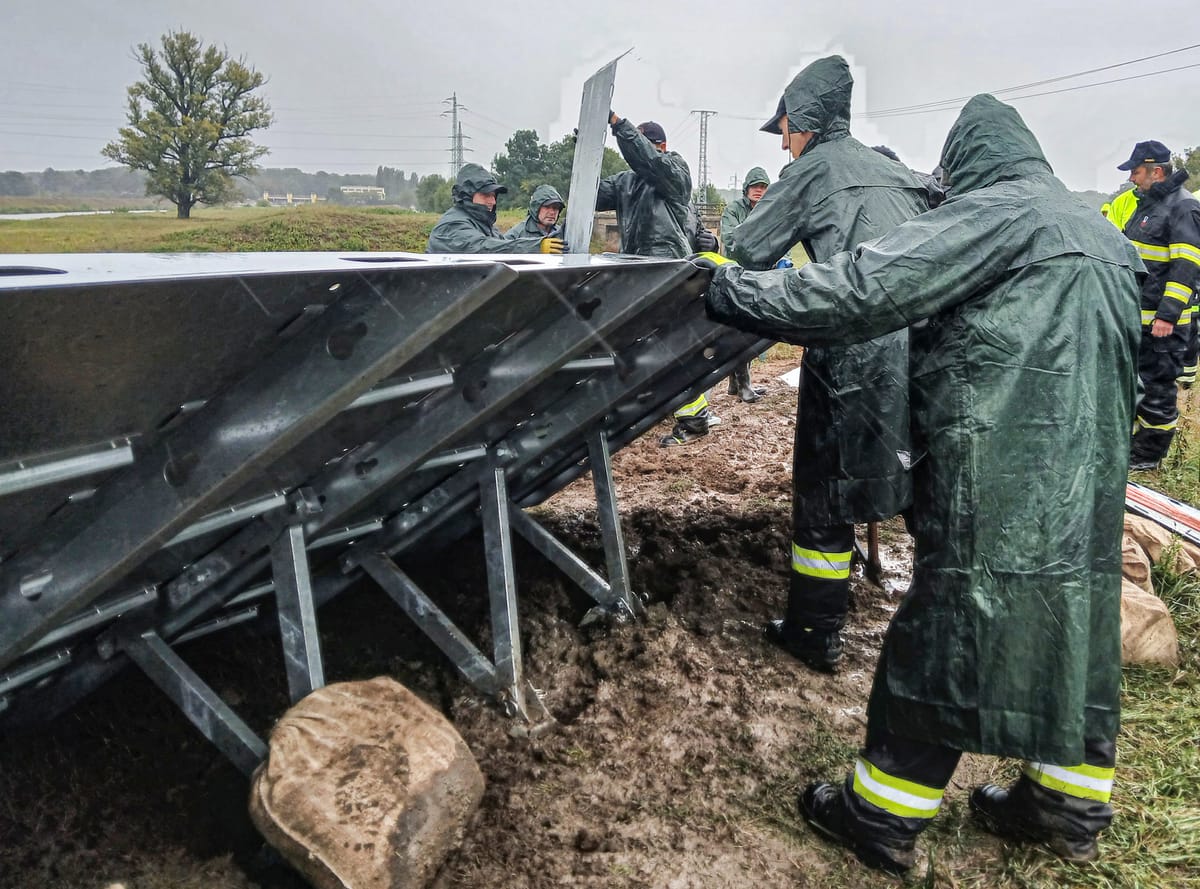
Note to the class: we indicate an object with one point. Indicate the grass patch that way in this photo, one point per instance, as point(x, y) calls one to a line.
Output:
point(1155, 837)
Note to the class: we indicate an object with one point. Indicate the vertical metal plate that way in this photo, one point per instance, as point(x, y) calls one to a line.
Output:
point(589, 155)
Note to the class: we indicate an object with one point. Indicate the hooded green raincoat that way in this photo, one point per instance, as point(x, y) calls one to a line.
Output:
point(852, 448)
point(471, 228)
point(651, 198)
point(528, 227)
point(1023, 385)
point(737, 211)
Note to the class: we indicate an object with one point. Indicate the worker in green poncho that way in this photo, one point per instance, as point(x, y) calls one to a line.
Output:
point(851, 453)
point(1023, 383)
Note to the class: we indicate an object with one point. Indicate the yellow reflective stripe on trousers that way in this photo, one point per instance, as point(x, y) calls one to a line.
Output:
point(1178, 291)
point(1185, 251)
point(1083, 782)
point(1143, 423)
point(905, 799)
point(814, 563)
point(693, 407)
point(1152, 252)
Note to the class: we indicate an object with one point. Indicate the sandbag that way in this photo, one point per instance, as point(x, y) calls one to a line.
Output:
point(365, 787)
point(1148, 634)
point(1154, 540)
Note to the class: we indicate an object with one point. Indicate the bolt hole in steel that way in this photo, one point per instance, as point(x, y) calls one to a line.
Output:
point(710, 353)
point(179, 469)
point(341, 343)
point(363, 469)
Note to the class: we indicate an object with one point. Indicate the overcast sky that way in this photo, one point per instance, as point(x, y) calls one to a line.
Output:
point(359, 83)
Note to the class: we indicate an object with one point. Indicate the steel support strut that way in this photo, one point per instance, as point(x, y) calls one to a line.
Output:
point(297, 613)
point(609, 516)
point(502, 587)
point(200, 704)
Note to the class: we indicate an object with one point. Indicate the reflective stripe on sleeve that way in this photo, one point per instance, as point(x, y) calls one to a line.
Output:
point(1185, 251)
point(814, 563)
point(693, 407)
point(904, 799)
point(1152, 252)
point(1083, 782)
point(1178, 291)
point(1148, 316)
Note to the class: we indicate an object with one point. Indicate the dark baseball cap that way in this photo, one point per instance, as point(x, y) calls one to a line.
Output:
point(653, 131)
point(1147, 153)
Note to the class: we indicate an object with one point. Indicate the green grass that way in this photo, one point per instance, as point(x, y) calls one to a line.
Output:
point(1155, 837)
point(303, 227)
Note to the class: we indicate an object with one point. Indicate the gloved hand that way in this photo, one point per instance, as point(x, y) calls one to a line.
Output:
point(706, 241)
point(552, 245)
point(710, 262)
point(785, 263)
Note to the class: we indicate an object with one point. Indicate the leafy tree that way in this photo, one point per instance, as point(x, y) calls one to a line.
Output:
point(1190, 161)
point(434, 194)
point(528, 164)
point(190, 119)
point(524, 161)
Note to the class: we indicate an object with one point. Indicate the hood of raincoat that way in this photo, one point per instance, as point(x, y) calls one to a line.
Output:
point(473, 178)
point(544, 194)
point(990, 143)
point(756, 176)
point(817, 101)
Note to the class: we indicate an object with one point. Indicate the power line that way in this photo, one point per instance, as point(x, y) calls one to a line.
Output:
point(1037, 83)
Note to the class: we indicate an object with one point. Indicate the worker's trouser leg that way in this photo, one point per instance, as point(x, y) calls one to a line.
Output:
point(897, 784)
point(696, 409)
point(1191, 357)
point(819, 593)
point(1160, 361)
point(1072, 800)
point(739, 384)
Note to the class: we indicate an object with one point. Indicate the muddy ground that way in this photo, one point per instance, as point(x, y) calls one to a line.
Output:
point(682, 740)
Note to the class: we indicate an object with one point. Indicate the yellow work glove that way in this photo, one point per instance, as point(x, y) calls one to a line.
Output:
point(708, 261)
point(552, 245)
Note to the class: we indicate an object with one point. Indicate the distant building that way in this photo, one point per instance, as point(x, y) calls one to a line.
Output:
point(370, 192)
point(280, 200)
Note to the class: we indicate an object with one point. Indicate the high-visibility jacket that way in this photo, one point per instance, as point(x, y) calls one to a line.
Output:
point(1121, 208)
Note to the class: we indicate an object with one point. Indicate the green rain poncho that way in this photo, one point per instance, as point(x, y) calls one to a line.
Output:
point(471, 228)
point(651, 198)
point(1025, 325)
point(737, 211)
point(851, 454)
point(528, 227)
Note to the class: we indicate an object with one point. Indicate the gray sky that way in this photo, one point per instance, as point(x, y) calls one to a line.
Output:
point(359, 83)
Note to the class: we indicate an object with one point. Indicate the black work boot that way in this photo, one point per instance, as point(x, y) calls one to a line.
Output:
point(686, 429)
point(1027, 812)
point(820, 650)
point(823, 807)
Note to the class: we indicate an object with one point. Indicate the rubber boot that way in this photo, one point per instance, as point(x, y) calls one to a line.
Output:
point(820, 650)
point(1066, 825)
point(686, 429)
point(893, 851)
point(739, 385)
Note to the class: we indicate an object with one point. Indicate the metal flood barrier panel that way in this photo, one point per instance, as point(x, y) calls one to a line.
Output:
point(187, 440)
